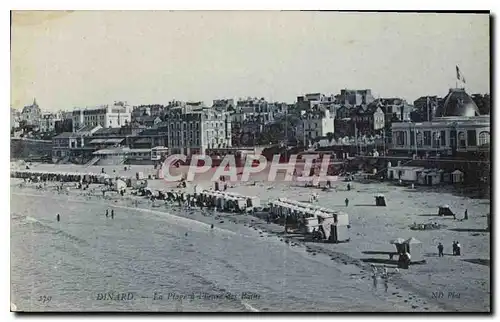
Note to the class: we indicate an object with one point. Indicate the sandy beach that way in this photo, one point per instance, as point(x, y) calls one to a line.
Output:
point(463, 281)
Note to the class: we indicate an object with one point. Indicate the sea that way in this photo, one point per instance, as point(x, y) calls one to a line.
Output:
point(150, 260)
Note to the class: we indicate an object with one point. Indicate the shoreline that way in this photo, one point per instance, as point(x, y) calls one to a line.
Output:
point(419, 299)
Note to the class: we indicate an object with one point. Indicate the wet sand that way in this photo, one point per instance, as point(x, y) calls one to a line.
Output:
point(450, 283)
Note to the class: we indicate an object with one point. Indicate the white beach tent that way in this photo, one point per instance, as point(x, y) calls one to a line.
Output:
point(120, 185)
point(397, 241)
point(457, 176)
point(415, 249)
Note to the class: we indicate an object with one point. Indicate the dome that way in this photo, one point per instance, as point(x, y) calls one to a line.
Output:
point(457, 103)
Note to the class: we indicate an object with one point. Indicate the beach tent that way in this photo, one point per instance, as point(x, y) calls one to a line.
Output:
point(119, 185)
point(399, 243)
point(380, 200)
point(253, 202)
point(341, 218)
point(414, 247)
point(457, 176)
point(445, 210)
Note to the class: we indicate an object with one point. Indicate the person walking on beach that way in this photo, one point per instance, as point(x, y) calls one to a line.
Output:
point(58, 217)
point(374, 278)
point(458, 248)
point(348, 187)
point(112, 214)
point(440, 250)
point(107, 213)
point(454, 248)
point(346, 202)
point(466, 215)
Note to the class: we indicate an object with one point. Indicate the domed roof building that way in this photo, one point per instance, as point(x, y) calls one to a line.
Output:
point(457, 103)
point(457, 129)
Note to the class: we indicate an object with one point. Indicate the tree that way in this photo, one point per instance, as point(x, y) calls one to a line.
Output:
point(483, 103)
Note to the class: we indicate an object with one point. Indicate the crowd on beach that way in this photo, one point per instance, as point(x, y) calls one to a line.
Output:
point(179, 197)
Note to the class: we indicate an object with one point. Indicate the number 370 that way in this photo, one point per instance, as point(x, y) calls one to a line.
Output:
point(44, 299)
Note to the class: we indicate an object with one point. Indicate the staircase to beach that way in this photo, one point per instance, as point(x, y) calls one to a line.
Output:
point(92, 162)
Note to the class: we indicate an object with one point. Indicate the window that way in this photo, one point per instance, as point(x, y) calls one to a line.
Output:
point(471, 137)
point(399, 138)
point(427, 137)
point(484, 138)
point(461, 140)
point(420, 139)
point(443, 138)
point(435, 139)
point(453, 138)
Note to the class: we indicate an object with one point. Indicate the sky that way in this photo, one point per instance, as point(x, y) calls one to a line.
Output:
point(88, 58)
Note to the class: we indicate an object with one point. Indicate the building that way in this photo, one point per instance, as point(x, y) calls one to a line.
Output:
point(150, 138)
point(314, 123)
point(457, 129)
point(15, 117)
point(425, 108)
point(86, 140)
point(224, 105)
point(48, 121)
point(344, 111)
point(198, 130)
point(31, 114)
point(115, 115)
point(141, 110)
point(395, 109)
point(68, 145)
point(146, 120)
point(315, 100)
point(64, 125)
point(368, 119)
point(457, 103)
point(257, 109)
point(279, 110)
point(121, 155)
point(355, 97)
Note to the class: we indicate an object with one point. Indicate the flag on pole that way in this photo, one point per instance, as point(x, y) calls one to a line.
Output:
point(460, 76)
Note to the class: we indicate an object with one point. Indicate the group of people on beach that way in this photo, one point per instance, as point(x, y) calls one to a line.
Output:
point(384, 275)
point(112, 213)
point(456, 249)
